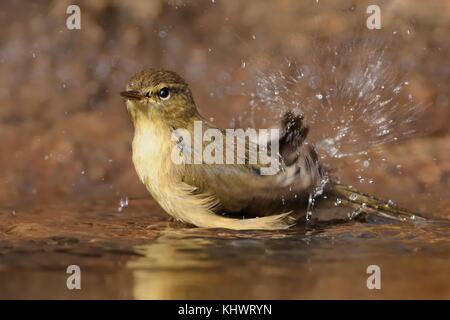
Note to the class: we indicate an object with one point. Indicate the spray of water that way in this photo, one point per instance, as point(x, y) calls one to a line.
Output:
point(353, 97)
point(123, 204)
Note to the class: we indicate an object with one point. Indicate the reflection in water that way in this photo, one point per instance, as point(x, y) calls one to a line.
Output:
point(169, 265)
point(320, 263)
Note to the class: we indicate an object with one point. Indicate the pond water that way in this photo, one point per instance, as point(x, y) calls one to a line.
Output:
point(137, 254)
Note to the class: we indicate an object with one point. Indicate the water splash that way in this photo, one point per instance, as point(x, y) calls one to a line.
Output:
point(356, 212)
point(353, 97)
point(313, 196)
point(123, 204)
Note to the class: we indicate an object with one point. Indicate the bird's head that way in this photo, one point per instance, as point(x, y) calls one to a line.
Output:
point(154, 94)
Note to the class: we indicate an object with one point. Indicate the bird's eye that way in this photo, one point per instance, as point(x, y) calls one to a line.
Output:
point(164, 93)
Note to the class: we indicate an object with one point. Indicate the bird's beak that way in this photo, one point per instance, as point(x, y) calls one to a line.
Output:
point(131, 94)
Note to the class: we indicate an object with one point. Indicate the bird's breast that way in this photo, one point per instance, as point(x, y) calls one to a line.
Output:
point(151, 157)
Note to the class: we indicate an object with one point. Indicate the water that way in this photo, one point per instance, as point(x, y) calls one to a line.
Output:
point(353, 97)
point(142, 255)
point(123, 204)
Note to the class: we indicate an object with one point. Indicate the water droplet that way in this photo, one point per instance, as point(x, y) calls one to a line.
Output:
point(308, 215)
point(352, 215)
point(162, 33)
point(366, 163)
point(319, 96)
point(397, 89)
point(123, 203)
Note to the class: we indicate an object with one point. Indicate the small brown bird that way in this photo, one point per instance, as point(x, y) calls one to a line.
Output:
point(215, 195)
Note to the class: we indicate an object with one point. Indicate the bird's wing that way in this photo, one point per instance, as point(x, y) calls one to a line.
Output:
point(238, 186)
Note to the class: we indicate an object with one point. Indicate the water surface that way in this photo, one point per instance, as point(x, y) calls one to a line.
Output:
point(138, 254)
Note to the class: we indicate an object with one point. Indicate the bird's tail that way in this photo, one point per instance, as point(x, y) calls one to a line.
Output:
point(365, 203)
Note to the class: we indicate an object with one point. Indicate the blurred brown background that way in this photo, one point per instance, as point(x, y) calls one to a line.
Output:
point(65, 132)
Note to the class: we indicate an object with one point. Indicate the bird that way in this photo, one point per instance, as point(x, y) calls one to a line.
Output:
point(235, 195)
